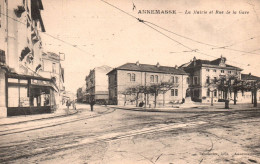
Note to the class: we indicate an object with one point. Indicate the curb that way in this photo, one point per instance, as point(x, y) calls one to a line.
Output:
point(38, 119)
point(182, 110)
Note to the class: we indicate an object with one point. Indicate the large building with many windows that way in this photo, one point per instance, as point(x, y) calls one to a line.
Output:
point(202, 73)
point(136, 74)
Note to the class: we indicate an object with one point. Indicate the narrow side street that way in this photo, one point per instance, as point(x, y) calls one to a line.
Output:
point(122, 136)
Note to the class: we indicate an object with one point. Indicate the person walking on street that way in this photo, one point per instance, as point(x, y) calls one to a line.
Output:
point(74, 104)
point(68, 104)
point(92, 103)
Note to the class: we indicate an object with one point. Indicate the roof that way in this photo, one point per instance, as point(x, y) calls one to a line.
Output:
point(249, 77)
point(150, 68)
point(104, 68)
point(200, 63)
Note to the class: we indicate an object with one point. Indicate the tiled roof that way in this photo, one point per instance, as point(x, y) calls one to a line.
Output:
point(150, 68)
point(200, 62)
point(249, 77)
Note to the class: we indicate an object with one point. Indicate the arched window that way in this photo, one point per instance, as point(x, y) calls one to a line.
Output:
point(172, 79)
point(152, 78)
point(129, 76)
point(156, 78)
point(176, 79)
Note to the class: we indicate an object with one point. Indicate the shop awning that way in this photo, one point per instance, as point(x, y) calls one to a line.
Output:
point(35, 80)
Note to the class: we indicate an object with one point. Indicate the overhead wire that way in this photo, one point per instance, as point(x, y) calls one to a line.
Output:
point(63, 41)
point(145, 23)
point(211, 45)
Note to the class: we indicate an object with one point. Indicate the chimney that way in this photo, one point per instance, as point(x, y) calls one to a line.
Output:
point(194, 60)
point(157, 65)
point(137, 63)
point(176, 67)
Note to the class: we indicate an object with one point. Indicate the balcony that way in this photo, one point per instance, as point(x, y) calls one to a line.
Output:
point(19, 10)
point(2, 57)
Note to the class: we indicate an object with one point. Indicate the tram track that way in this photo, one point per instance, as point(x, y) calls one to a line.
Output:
point(53, 124)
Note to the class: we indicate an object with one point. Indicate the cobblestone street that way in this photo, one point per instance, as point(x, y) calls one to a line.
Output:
point(121, 136)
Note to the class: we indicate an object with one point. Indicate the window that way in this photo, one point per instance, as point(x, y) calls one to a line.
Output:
point(176, 79)
point(133, 77)
point(207, 70)
point(188, 80)
point(172, 79)
point(229, 72)
point(208, 93)
point(54, 67)
point(222, 71)
point(195, 80)
point(174, 92)
point(152, 78)
point(207, 80)
point(129, 76)
point(214, 70)
point(215, 80)
point(156, 78)
point(215, 93)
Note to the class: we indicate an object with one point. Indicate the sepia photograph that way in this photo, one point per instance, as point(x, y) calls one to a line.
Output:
point(130, 81)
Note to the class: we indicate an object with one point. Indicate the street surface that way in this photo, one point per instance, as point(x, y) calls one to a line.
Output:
point(110, 135)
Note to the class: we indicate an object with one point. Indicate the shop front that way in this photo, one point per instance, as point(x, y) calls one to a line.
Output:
point(29, 95)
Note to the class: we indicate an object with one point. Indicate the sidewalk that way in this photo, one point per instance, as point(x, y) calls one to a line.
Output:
point(61, 112)
point(197, 107)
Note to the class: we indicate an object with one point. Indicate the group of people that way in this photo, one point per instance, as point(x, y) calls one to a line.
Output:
point(73, 103)
point(69, 103)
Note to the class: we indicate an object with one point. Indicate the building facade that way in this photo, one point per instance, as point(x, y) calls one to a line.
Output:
point(22, 89)
point(97, 84)
point(51, 68)
point(136, 74)
point(203, 73)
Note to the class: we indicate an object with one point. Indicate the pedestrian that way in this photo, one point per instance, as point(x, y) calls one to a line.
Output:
point(92, 103)
point(68, 104)
point(74, 104)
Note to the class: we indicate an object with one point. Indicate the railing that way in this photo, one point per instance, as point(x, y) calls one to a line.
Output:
point(2, 57)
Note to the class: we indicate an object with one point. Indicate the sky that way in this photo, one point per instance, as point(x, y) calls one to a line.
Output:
point(94, 33)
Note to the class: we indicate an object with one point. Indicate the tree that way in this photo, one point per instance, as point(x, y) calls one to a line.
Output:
point(226, 84)
point(165, 87)
point(127, 91)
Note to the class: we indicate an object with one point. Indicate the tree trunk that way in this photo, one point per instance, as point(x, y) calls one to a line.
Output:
point(125, 100)
point(255, 97)
point(235, 97)
point(137, 97)
point(252, 95)
point(163, 98)
point(226, 100)
point(155, 100)
point(211, 98)
point(148, 101)
point(145, 100)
